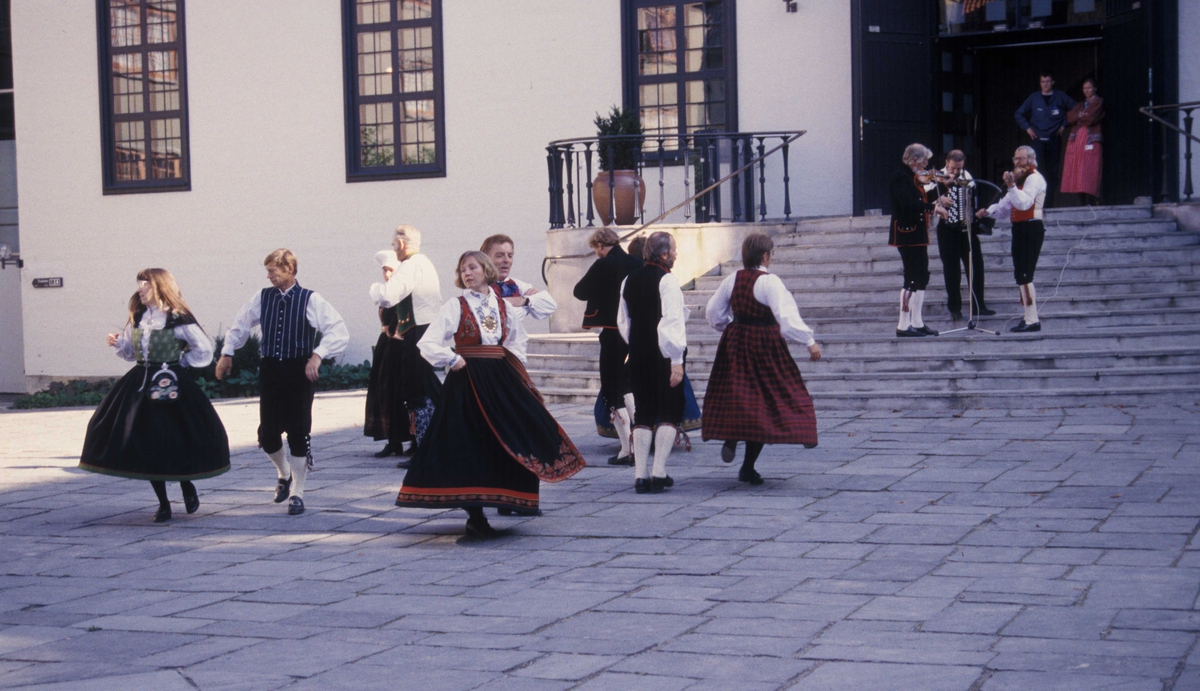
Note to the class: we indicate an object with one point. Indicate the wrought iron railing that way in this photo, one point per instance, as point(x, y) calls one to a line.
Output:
point(741, 174)
point(1186, 109)
point(689, 161)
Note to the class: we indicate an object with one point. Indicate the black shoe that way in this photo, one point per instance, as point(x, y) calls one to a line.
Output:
point(404, 463)
point(481, 529)
point(810, 446)
point(660, 484)
point(295, 506)
point(926, 330)
point(1026, 328)
point(985, 312)
point(412, 448)
point(750, 476)
point(163, 514)
point(909, 333)
point(621, 460)
point(387, 451)
point(956, 315)
point(282, 489)
point(728, 451)
point(191, 501)
point(506, 511)
point(641, 486)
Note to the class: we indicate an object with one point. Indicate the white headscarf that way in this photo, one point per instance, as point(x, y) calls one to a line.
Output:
point(387, 259)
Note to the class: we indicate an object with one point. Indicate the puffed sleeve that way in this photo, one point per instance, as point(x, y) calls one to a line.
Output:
point(623, 314)
point(776, 296)
point(200, 346)
point(718, 311)
point(517, 340)
point(672, 327)
point(246, 319)
point(436, 344)
point(125, 344)
point(324, 318)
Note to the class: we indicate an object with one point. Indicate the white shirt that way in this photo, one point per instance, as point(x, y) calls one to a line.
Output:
point(320, 314)
point(541, 304)
point(199, 346)
point(437, 345)
point(672, 328)
point(1034, 195)
point(770, 291)
point(416, 277)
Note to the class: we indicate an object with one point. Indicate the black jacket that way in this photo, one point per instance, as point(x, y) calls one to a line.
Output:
point(600, 288)
point(909, 205)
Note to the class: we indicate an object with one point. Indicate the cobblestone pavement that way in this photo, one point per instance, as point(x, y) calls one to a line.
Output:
point(995, 550)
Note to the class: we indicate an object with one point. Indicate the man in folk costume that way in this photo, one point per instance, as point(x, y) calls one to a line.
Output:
point(600, 288)
point(914, 203)
point(952, 237)
point(756, 393)
point(652, 319)
point(290, 317)
point(416, 293)
point(520, 295)
point(1023, 204)
point(386, 414)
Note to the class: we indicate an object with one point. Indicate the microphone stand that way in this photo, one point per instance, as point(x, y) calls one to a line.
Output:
point(967, 216)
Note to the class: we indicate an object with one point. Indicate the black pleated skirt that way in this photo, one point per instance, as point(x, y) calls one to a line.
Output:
point(132, 436)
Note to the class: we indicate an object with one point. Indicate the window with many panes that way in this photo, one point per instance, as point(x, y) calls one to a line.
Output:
point(394, 122)
point(680, 66)
point(143, 94)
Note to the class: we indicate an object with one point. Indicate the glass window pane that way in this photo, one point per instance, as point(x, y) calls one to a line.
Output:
point(374, 63)
point(125, 22)
point(130, 145)
point(659, 17)
point(376, 134)
point(374, 11)
point(166, 149)
point(415, 9)
point(162, 21)
point(164, 80)
point(127, 83)
point(947, 102)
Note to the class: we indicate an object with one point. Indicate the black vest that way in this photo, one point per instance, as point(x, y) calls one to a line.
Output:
point(286, 332)
point(644, 304)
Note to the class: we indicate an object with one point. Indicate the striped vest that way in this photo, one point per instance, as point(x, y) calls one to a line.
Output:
point(286, 332)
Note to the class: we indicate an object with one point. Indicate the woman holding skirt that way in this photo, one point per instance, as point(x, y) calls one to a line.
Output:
point(386, 415)
point(1085, 156)
point(491, 439)
point(755, 393)
point(156, 424)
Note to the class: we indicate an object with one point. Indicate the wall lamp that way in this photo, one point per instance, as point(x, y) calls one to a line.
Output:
point(7, 256)
point(790, 5)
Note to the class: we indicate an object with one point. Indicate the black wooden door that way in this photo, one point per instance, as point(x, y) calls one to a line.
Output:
point(1125, 81)
point(893, 91)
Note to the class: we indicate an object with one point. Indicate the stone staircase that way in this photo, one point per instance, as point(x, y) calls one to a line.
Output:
point(1119, 294)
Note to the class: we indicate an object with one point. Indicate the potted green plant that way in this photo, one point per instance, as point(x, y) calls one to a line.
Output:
point(627, 192)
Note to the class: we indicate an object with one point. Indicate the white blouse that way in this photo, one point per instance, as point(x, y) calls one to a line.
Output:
point(541, 304)
point(320, 314)
point(770, 291)
point(1033, 195)
point(672, 328)
point(437, 345)
point(416, 277)
point(199, 346)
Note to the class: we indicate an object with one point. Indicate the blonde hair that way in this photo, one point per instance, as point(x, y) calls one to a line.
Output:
point(603, 237)
point(490, 274)
point(165, 291)
point(283, 259)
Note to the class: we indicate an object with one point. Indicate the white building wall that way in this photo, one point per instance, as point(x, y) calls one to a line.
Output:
point(268, 160)
point(12, 345)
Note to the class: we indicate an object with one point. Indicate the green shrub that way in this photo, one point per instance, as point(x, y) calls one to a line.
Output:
point(61, 395)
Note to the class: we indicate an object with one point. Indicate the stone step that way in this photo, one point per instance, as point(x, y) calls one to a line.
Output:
point(834, 258)
point(1115, 234)
point(1067, 215)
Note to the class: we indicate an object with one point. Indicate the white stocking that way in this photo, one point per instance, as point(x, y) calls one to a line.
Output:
point(629, 405)
point(905, 315)
point(1031, 315)
point(621, 422)
point(664, 441)
point(641, 452)
point(915, 303)
point(281, 464)
point(299, 473)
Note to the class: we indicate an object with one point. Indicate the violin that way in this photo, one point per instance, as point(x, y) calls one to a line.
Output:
point(933, 175)
point(1017, 175)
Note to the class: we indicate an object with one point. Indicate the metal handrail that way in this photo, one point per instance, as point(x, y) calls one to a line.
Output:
point(1186, 131)
point(789, 137)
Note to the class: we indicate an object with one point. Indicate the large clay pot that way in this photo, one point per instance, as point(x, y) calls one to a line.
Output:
point(631, 194)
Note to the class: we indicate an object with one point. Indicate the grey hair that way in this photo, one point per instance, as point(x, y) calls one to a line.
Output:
point(1028, 150)
point(916, 153)
point(410, 236)
point(658, 244)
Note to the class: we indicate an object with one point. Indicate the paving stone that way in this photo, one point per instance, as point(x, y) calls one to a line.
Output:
point(837, 676)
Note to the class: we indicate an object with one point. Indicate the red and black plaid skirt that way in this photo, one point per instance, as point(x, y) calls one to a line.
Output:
point(755, 392)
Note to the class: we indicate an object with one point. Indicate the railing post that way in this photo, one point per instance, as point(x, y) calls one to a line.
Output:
point(587, 154)
point(735, 197)
point(787, 191)
point(715, 157)
point(570, 186)
point(662, 191)
point(612, 184)
point(555, 201)
point(702, 201)
point(1187, 156)
point(688, 171)
point(762, 181)
point(748, 179)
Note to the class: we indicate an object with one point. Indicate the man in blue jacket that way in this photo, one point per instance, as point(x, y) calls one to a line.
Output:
point(1043, 116)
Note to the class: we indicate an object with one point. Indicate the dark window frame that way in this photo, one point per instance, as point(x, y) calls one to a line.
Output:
point(631, 80)
point(355, 172)
point(108, 118)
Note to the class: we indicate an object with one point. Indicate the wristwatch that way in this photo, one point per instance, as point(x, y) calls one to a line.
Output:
point(526, 302)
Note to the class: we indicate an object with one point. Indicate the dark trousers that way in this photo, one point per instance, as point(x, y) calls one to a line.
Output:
point(285, 405)
point(915, 259)
point(614, 373)
point(1048, 153)
point(1027, 237)
point(655, 401)
point(952, 246)
point(417, 371)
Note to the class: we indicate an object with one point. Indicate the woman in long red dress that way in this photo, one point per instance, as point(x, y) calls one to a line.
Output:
point(756, 393)
point(1084, 161)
